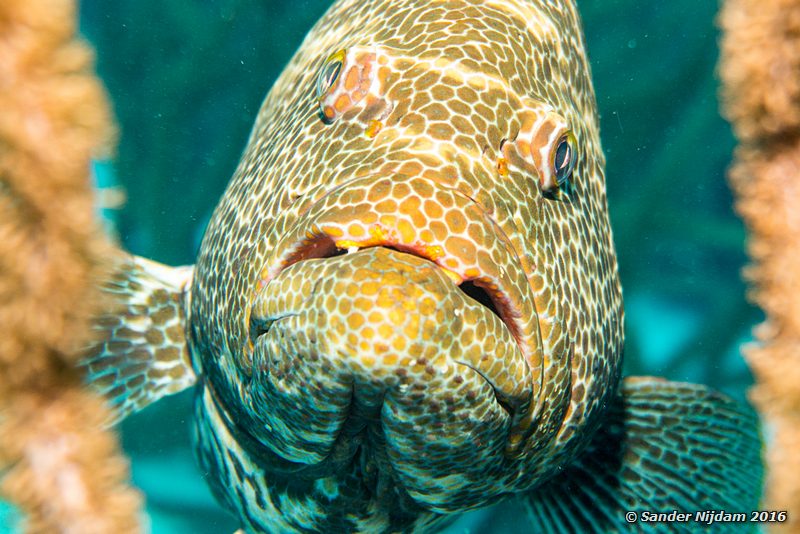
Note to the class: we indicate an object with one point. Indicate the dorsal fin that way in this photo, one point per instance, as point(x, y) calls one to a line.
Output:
point(140, 353)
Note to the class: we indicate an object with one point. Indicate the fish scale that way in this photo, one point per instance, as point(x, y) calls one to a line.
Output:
point(406, 304)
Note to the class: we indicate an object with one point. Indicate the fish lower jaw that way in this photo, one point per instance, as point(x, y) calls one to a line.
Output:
point(367, 346)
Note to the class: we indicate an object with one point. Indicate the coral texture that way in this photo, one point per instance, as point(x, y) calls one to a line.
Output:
point(760, 70)
point(56, 462)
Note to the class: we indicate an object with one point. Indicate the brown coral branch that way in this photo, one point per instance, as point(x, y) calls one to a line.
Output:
point(56, 463)
point(760, 70)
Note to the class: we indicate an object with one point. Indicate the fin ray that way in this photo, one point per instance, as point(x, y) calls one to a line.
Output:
point(140, 353)
point(665, 446)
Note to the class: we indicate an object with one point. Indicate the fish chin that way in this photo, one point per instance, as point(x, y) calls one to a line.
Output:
point(379, 350)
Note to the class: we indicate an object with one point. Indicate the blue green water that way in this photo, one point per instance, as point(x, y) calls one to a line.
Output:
point(187, 78)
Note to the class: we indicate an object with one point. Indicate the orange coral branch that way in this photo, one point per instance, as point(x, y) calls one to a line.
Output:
point(56, 462)
point(66, 471)
point(760, 70)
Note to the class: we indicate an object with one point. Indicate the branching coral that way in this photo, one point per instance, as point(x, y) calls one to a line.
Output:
point(760, 69)
point(56, 463)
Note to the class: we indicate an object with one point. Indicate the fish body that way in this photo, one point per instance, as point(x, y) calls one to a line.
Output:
point(406, 304)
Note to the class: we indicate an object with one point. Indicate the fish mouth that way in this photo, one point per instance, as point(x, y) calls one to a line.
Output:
point(481, 289)
point(435, 244)
point(336, 224)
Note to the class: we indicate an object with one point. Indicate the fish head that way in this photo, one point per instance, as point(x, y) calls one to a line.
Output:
point(412, 269)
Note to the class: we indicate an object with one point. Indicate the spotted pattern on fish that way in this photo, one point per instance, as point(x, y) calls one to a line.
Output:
point(463, 81)
point(406, 304)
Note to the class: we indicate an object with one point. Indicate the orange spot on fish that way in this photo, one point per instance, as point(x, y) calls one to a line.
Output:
point(502, 166)
point(373, 128)
point(342, 103)
point(455, 277)
point(348, 243)
point(333, 231)
point(388, 221)
point(433, 252)
point(472, 272)
point(351, 80)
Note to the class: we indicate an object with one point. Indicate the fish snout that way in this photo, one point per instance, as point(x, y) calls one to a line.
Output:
point(394, 312)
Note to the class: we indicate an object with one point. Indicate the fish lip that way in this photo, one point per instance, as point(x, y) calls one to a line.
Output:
point(307, 240)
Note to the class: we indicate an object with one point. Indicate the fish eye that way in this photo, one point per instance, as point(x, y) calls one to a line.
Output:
point(546, 147)
point(329, 73)
point(564, 159)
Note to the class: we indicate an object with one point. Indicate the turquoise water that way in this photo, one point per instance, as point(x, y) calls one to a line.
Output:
point(187, 78)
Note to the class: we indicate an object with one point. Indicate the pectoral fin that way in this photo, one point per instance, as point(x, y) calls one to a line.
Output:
point(140, 353)
point(665, 446)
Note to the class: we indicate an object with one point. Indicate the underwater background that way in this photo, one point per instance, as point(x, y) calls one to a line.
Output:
point(187, 79)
